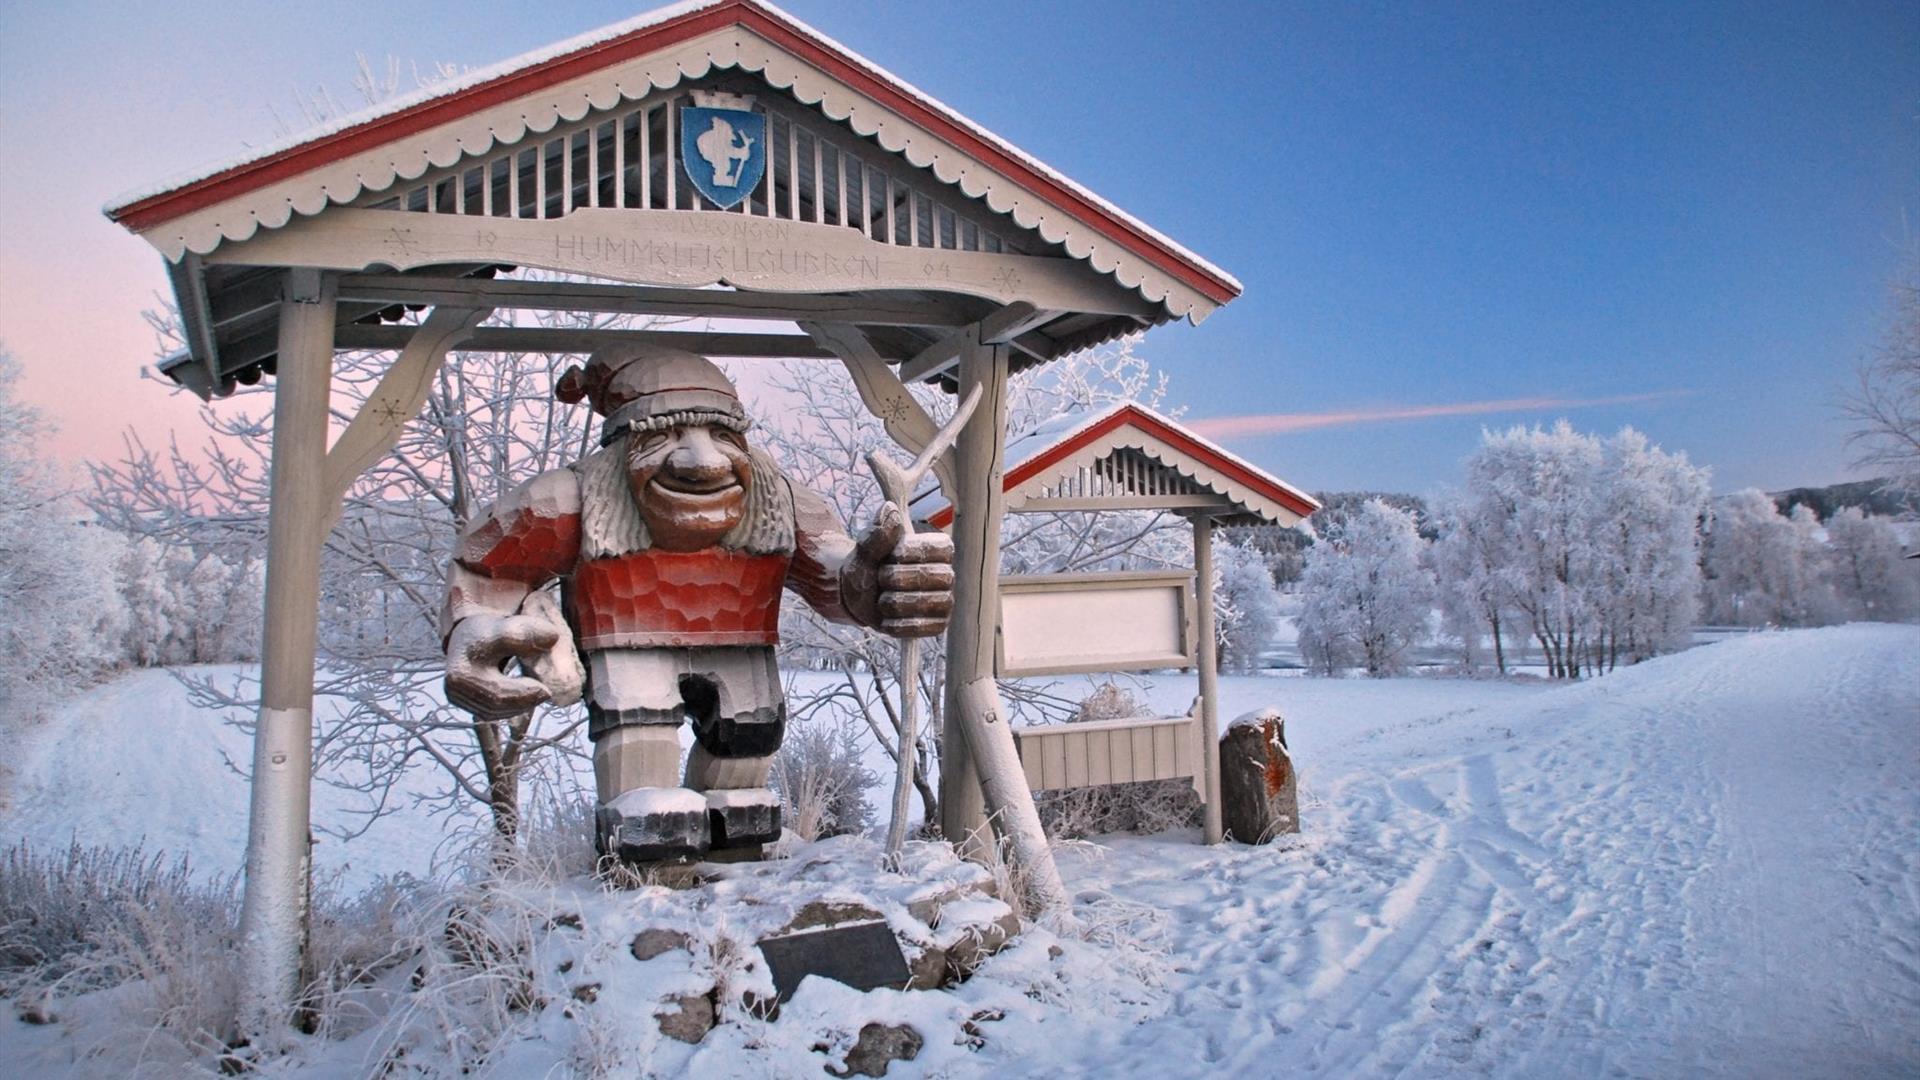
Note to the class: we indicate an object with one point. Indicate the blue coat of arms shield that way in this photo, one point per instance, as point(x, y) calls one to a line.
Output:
point(724, 152)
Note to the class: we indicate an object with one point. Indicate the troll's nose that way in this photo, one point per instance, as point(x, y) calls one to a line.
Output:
point(698, 460)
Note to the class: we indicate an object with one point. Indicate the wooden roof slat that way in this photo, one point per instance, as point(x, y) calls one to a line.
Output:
point(501, 293)
point(564, 340)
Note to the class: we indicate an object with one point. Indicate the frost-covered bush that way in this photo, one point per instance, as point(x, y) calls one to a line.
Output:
point(61, 616)
point(164, 942)
point(183, 609)
point(62, 621)
point(1149, 807)
point(54, 905)
point(823, 780)
point(1366, 594)
point(92, 919)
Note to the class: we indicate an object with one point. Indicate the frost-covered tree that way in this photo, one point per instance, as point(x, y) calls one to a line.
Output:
point(489, 422)
point(1547, 481)
point(1246, 606)
point(1762, 568)
point(1588, 546)
point(1884, 406)
point(183, 609)
point(1866, 569)
point(1647, 585)
point(62, 618)
point(1366, 593)
point(1475, 586)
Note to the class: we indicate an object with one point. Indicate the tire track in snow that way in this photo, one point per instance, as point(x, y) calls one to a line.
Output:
point(1477, 976)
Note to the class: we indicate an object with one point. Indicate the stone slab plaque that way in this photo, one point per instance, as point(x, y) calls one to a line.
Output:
point(862, 955)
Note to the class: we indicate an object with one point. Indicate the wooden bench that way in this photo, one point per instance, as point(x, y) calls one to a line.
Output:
point(1061, 756)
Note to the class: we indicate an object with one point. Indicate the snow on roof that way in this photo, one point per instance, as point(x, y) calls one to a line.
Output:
point(403, 102)
point(141, 202)
point(1057, 447)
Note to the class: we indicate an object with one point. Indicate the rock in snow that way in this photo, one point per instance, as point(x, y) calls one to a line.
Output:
point(1259, 791)
point(879, 1046)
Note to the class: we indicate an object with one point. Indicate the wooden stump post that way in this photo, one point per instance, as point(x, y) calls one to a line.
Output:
point(279, 846)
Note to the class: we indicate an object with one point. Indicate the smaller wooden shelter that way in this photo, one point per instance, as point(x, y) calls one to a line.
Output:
point(1125, 457)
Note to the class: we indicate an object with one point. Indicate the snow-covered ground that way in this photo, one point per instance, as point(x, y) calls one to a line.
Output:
point(1704, 865)
point(133, 761)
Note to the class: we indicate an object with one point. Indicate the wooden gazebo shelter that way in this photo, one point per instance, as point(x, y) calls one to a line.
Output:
point(906, 241)
point(1124, 457)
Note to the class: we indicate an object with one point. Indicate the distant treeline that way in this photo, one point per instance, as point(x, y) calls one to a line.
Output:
point(1285, 549)
point(1875, 497)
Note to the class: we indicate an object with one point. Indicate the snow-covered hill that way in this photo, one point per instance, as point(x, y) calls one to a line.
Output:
point(1703, 865)
point(133, 761)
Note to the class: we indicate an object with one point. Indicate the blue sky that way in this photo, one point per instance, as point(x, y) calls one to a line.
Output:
point(1686, 212)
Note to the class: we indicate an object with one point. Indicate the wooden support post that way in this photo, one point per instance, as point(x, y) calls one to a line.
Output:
point(978, 504)
point(273, 918)
point(1209, 719)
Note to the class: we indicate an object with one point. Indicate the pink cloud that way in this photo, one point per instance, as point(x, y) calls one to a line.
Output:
point(1227, 427)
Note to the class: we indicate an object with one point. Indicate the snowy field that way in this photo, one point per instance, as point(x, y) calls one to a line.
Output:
point(1703, 865)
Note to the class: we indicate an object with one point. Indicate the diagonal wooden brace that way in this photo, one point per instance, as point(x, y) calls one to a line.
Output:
point(883, 393)
point(395, 401)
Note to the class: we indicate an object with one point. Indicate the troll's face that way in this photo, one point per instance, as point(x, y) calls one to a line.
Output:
point(690, 482)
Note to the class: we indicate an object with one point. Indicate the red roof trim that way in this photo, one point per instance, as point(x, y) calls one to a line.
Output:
point(152, 211)
point(240, 179)
point(1178, 438)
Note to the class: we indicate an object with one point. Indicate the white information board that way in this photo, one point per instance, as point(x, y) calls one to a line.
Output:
point(1055, 624)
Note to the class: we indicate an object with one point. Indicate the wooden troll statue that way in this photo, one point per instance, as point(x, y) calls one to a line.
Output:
point(672, 544)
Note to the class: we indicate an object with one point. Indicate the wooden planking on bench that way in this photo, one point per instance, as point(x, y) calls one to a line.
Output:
point(1062, 756)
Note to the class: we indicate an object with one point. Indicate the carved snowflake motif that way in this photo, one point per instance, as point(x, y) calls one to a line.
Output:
point(401, 241)
point(390, 411)
point(1007, 278)
point(893, 410)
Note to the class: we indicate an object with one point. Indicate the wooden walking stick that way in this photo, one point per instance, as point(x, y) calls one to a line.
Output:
point(896, 486)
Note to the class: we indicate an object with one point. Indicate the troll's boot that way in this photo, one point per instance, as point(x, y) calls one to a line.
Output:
point(649, 825)
point(742, 812)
